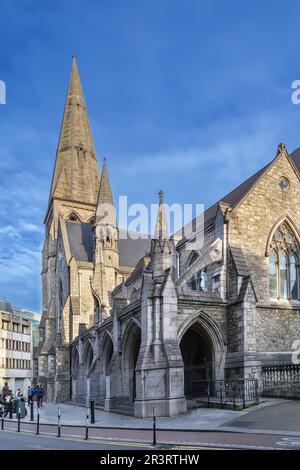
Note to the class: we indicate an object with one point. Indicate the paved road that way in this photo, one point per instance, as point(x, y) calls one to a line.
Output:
point(279, 416)
point(140, 438)
point(12, 441)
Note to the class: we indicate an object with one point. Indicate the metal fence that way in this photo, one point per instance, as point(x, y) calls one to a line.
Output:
point(226, 393)
point(281, 379)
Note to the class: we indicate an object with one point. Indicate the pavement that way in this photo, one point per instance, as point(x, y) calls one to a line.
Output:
point(201, 418)
point(272, 415)
point(274, 424)
point(276, 416)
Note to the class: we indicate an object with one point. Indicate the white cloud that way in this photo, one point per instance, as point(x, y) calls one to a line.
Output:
point(8, 231)
point(29, 227)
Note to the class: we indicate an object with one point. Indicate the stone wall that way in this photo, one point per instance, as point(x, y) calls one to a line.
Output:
point(252, 221)
point(277, 328)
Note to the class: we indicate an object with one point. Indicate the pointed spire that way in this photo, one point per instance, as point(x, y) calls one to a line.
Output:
point(105, 194)
point(105, 212)
point(161, 230)
point(75, 153)
point(75, 130)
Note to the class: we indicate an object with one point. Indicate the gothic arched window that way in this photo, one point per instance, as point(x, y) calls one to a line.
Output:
point(74, 217)
point(97, 310)
point(193, 258)
point(284, 264)
point(198, 282)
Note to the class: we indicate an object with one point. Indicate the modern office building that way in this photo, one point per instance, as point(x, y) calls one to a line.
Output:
point(16, 346)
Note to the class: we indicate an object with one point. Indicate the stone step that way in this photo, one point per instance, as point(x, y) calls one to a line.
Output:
point(123, 407)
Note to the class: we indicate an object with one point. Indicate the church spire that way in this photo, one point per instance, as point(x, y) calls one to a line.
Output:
point(161, 230)
point(105, 194)
point(105, 211)
point(76, 173)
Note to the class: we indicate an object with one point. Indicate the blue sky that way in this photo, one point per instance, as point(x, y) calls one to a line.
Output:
point(189, 96)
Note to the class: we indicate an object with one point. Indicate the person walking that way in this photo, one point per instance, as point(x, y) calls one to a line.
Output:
point(41, 395)
point(29, 394)
point(37, 393)
point(5, 390)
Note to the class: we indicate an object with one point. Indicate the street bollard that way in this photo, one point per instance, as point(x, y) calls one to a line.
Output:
point(2, 424)
point(19, 422)
point(38, 424)
point(154, 427)
point(31, 411)
point(92, 408)
point(87, 425)
point(58, 423)
point(208, 396)
point(10, 415)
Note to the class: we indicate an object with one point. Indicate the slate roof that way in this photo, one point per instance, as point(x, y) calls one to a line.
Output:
point(5, 306)
point(81, 243)
point(239, 261)
point(235, 196)
point(131, 251)
point(80, 240)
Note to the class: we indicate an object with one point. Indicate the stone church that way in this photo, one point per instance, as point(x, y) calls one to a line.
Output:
point(139, 322)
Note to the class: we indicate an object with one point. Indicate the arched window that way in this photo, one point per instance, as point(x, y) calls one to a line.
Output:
point(97, 310)
point(193, 259)
point(74, 217)
point(198, 282)
point(294, 281)
point(283, 264)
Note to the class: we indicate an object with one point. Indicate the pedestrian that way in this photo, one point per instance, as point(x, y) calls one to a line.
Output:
point(18, 393)
point(37, 393)
point(5, 390)
point(29, 394)
point(41, 395)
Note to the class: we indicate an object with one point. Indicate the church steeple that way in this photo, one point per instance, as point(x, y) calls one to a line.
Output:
point(76, 175)
point(161, 230)
point(162, 249)
point(105, 194)
point(106, 271)
point(105, 212)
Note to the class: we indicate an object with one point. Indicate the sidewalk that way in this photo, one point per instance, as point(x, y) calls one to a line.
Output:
point(252, 420)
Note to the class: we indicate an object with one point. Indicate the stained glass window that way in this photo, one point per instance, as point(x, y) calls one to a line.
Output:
point(283, 264)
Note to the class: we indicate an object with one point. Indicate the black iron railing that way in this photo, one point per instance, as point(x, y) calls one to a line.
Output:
point(281, 378)
point(234, 392)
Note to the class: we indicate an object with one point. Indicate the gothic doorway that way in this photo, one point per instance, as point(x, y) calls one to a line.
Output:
point(197, 355)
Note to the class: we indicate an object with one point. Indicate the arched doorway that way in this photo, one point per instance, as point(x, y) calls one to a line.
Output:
point(108, 349)
point(75, 362)
point(197, 354)
point(132, 343)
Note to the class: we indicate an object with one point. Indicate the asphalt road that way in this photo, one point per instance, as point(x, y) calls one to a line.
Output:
point(280, 416)
point(14, 441)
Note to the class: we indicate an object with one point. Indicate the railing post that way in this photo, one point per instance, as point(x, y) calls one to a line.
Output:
point(256, 390)
point(233, 397)
point(221, 394)
point(38, 424)
point(87, 425)
point(58, 423)
point(31, 411)
point(243, 392)
point(10, 415)
point(19, 422)
point(154, 427)
point(208, 395)
point(92, 408)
